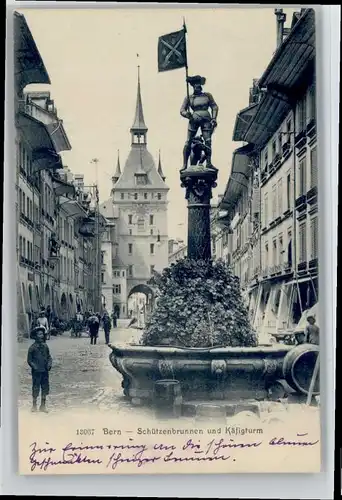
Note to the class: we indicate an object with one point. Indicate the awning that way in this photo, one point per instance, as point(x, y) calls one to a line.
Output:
point(58, 136)
point(294, 54)
point(71, 207)
point(60, 187)
point(291, 66)
point(238, 178)
point(242, 121)
point(29, 66)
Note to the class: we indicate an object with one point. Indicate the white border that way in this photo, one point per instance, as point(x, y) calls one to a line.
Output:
point(316, 486)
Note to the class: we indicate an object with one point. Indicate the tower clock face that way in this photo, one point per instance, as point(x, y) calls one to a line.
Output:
point(141, 209)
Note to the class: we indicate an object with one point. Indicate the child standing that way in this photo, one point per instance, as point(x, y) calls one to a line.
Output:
point(40, 361)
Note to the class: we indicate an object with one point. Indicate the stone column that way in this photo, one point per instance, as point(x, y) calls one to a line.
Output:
point(198, 182)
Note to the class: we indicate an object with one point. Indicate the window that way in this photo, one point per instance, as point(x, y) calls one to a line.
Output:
point(130, 271)
point(130, 232)
point(130, 219)
point(28, 207)
point(312, 102)
point(141, 224)
point(280, 198)
point(314, 238)
point(130, 248)
point(151, 220)
point(122, 196)
point(102, 257)
point(151, 269)
point(313, 167)
point(265, 159)
point(145, 196)
point(24, 200)
point(266, 256)
point(151, 232)
point(274, 202)
point(289, 130)
point(117, 289)
point(102, 278)
point(20, 245)
point(159, 196)
point(288, 191)
point(302, 114)
point(302, 242)
point(151, 248)
point(302, 177)
point(281, 247)
point(123, 274)
point(275, 256)
point(266, 209)
point(135, 196)
point(274, 149)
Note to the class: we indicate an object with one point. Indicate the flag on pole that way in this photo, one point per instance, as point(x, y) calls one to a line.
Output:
point(172, 51)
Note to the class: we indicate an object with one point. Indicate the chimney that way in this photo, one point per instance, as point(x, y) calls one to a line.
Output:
point(281, 18)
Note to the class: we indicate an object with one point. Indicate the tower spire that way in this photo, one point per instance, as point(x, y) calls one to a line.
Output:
point(117, 174)
point(160, 170)
point(139, 126)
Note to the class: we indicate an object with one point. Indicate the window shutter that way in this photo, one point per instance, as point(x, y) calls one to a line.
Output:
point(313, 168)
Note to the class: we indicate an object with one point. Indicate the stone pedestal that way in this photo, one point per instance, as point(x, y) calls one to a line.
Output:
point(198, 182)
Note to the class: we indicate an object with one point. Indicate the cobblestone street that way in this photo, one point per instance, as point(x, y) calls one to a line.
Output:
point(81, 375)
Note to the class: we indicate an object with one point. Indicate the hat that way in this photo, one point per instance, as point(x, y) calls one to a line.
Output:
point(39, 328)
point(196, 80)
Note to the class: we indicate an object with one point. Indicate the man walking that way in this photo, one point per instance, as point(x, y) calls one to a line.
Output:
point(40, 362)
point(106, 326)
point(94, 325)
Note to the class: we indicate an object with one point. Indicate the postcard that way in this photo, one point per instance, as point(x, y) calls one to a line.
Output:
point(167, 240)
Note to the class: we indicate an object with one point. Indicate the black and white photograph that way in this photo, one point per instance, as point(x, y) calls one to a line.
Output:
point(167, 229)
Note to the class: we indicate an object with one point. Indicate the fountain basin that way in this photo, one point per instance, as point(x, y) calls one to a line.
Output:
point(226, 373)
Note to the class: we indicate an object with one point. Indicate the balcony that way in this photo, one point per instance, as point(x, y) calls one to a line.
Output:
point(300, 140)
point(311, 196)
point(287, 267)
point(311, 128)
point(300, 203)
point(276, 161)
point(302, 266)
point(313, 264)
point(286, 149)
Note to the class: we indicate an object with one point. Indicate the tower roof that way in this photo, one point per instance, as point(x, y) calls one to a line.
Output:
point(118, 169)
point(160, 170)
point(139, 122)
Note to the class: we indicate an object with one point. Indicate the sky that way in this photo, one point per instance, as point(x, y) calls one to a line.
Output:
point(91, 58)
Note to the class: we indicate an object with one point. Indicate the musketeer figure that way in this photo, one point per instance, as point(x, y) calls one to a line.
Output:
point(196, 109)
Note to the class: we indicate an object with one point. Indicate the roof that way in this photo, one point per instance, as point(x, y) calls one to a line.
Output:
point(117, 262)
point(139, 122)
point(284, 79)
point(140, 159)
point(29, 65)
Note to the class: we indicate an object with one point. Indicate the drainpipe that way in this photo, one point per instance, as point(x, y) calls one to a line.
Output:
point(281, 18)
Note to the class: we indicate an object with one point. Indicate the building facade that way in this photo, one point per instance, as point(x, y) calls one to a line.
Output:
point(137, 221)
point(49, 209)
point(271, 195)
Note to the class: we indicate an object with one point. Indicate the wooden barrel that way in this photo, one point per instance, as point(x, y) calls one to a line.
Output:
point(298, 367)
point(167, 399)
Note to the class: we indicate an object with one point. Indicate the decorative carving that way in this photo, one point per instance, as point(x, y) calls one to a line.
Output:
point(165, 368)
point(198, 187)
point(218, 367)
point(270, 366)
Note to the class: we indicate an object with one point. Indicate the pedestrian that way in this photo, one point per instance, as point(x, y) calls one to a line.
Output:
point(312, 331)
point(107, 325)
point(43, 321)
point(94, 325)
point(40, 362)
point(115, 318)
